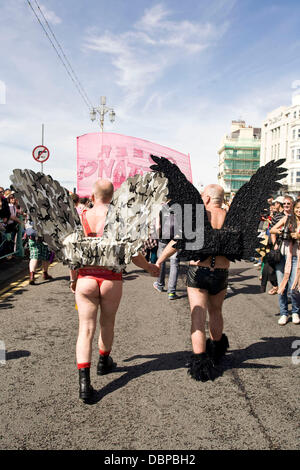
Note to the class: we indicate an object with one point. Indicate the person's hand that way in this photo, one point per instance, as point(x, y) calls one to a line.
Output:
point(294, 235)
point(158, 264)
point(153, 270)
point(73, 285)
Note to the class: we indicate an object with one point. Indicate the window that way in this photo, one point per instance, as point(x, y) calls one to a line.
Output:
point(299, 133)
point(294, 134)
point(298, 154)
point(298, 177)
point(295, 114)
point(293, 154)
point(292, 177)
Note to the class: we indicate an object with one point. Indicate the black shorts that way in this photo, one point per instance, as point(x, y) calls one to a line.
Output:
point(203, 278)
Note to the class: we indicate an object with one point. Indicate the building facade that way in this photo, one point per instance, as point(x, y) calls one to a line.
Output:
point(281, 139)
point(239, 156)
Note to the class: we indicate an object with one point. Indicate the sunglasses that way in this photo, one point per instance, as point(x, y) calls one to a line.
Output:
point(286, 203)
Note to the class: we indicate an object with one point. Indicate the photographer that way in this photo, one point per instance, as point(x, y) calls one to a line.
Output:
point(288, 235)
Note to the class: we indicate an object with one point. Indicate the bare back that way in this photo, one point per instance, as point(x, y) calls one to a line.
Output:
point(94, 222)
point(216, 217)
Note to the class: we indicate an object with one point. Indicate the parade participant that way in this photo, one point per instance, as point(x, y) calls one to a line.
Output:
point(207, 287)
point(288, 233)
point(210, 238)
point(124, 224)
point(98, 286)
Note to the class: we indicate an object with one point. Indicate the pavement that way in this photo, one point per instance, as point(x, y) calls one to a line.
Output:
point(12, 269)
point(149, 402)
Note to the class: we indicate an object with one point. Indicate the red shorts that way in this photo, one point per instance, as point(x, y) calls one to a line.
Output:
point(99, 274)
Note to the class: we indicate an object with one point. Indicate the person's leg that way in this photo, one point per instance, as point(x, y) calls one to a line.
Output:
point(201, 367)
point(161, 277)
point(282, 298)
point(87, 299)
point(216, 323)
point(110, 297)
point(295, 304)
point(217, 344)
point(33, 265)
point(45, 265)
point(198, 305)
point(173, 275)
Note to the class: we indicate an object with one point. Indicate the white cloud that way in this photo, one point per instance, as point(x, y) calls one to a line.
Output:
point(142, 55)
point(50, 15)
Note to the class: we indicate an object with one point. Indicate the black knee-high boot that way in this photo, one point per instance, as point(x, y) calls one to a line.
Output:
point(217, 349)
point(85, 389)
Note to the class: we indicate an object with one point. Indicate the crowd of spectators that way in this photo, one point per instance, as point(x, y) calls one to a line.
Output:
point(280, 232)
point(10, 221)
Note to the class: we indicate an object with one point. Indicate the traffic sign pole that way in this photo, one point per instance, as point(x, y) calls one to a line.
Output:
point(42, 144)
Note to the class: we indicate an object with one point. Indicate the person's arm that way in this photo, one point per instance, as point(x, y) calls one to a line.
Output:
point(167, 253)
point(141, 262)
point(15, 219)
point(276, 229)
point(73, 279)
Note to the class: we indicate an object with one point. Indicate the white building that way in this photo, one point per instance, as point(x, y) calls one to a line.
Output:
point(280, 138)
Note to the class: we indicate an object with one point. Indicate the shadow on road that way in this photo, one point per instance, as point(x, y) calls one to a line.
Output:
point(55, 279)
point(235, 359)
point(251, 289)
point(17, 354)
point(159, 362)
point(270, 348)
point(6, 302)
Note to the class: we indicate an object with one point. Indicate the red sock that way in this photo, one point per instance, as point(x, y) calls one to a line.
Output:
point(84, 365)
point(104, 353)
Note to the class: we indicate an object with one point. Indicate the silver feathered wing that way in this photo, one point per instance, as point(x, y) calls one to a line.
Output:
point(128, 225)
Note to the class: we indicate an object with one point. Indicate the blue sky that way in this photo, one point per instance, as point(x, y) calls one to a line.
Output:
point(175, 72)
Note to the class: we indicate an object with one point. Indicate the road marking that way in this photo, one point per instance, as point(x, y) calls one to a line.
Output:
point(19, 283)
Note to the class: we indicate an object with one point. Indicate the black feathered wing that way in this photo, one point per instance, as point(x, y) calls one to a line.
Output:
point(248, 205)
point(237, 239)
point(194, 230)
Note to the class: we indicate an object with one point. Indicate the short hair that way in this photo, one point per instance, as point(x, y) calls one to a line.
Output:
point(83, 200)
point(75, 198)
point(215, 192)
point(103, 190)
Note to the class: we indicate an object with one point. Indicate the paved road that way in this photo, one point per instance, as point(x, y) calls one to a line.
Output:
point(149, 402)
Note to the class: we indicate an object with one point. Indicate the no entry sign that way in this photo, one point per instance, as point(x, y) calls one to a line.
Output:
point(41, 153)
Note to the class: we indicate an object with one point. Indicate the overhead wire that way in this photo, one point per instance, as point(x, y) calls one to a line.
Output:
point(64, 60)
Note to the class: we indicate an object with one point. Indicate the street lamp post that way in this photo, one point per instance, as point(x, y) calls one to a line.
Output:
point(102, 110)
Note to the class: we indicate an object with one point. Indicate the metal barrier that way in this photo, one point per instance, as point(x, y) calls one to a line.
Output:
point(6, 237)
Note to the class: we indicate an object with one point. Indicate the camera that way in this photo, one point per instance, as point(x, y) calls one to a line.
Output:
point(286, 233)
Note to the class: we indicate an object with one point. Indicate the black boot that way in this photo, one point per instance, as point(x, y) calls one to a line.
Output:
point(105, 365)
point(217, 349)
point(202, 368)
point(85, 389)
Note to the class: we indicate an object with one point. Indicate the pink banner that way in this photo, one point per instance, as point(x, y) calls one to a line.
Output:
point(116, 157)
